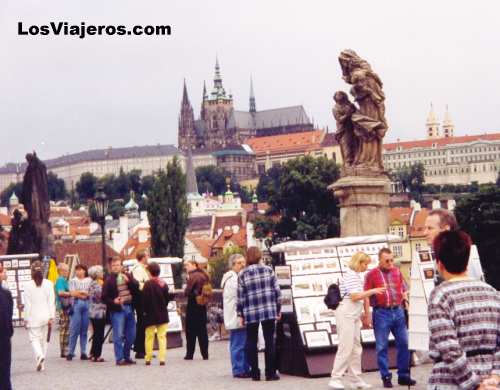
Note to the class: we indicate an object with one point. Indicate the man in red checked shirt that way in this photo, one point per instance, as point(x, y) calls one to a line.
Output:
point(388, 316)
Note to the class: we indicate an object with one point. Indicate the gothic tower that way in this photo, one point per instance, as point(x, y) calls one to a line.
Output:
point(216, 111)
point(432, 124)
point(448, 126)
point(186, 121)
point(253, 107)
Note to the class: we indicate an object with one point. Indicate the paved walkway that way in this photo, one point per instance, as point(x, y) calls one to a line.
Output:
point(176, 375)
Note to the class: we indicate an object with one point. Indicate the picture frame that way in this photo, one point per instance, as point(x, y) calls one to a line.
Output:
point(283, 274)
point(301, 286)
point(367, 336)
point(323, 325)
point(286, 301)
point(424, 256)
point(428, 273)
point(306, 307)
point(304, 328)
point(175, 323)
point(24, 264)
point(317, 339)
point(332, 265)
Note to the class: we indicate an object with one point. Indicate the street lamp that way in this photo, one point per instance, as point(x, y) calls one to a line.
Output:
point(101, 203)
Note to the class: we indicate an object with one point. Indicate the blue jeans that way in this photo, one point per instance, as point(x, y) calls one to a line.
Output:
point(78, 326)
point(385, 321)
point(123, 323)
point(237, 342)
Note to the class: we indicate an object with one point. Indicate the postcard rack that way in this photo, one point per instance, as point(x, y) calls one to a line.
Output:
point(307, 338)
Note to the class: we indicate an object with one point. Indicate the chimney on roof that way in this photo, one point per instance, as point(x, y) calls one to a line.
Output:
point(436, 204)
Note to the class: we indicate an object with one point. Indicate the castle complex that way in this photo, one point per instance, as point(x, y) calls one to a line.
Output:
point(220, 125)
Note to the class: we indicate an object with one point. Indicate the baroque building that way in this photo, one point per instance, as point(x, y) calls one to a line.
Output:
point(220, 125)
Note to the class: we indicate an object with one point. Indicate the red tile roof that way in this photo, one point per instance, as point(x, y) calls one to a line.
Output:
point(261, 206)
point(417, 228)
point(287, 143)
point(4, 220)
point(133, 245)
point(204, 245)
point(329, 140)
point(440, 142)
point(222, 221)
point(400, 214)
point(89, 252)
point(239, 239)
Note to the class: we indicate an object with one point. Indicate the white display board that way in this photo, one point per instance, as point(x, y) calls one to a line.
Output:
point(314, 266)
point(423, 275)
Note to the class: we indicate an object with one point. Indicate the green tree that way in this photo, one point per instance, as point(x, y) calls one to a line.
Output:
point(412, 179)
point(307, 209)
point(268, 182)
point(7, 193)
point(86, 186)
point(479, 215)
point(168, 213)
point(211, 179)
point(122, 185)
point(147, 184)
point(135, 181)
point(220, 265)
point(56, 187)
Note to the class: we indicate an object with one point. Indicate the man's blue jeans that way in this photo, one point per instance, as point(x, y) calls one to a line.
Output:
point(123, 323)
point(385, 321)
point(78, 326)
point(237, 347)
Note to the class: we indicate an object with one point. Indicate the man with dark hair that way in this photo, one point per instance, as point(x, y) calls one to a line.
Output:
point(6, 332)
point(117, 293)
point(464, 321)
point(141, 274)
point(389, 317)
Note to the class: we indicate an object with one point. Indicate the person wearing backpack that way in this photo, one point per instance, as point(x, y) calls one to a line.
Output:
point(198, 291)
point(348, 315)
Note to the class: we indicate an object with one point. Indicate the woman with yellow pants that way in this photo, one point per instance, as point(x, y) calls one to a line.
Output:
point(155, 297)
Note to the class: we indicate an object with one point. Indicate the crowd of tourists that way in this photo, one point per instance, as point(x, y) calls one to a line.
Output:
point(463, 314)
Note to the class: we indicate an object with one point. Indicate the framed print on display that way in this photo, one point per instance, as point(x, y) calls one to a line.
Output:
point(332, 265)
point(317, 338)
point(367, 336)
point(303, 310)
point(175, 323)
point(305, 327)
point(286, 301)
point(428, 273)
point(172, 306)
point(301, 286)
point(424, 256)
point(325, 325)
point(283, 274)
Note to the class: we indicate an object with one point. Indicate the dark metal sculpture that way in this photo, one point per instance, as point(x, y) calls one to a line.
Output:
point(361, 128)
point(31, 234)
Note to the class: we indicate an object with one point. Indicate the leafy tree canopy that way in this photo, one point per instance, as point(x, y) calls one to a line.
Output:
point(479, 215)
point(220, 265)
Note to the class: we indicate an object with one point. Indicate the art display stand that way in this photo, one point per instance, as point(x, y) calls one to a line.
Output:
point(18, 274)
point(307, 338)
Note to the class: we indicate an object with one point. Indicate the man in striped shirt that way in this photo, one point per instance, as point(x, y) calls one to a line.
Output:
point(389, 317)
point(464, 322)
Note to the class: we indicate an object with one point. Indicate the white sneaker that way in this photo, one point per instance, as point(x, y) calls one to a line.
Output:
point(336, 384)
point(39, 363)
point(361, 385)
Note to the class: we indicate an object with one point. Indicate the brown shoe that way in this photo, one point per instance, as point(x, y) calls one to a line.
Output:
point(121, 363)
point(162, 363)
point(148, 362)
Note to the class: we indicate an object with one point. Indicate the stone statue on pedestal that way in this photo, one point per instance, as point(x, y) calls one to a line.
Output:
point(363, 190)
point(31, 234)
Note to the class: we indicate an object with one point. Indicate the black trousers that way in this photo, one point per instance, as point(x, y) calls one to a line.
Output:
point(140, 332)
point(268, 328)
point(196, 328)
point(5, 359)
point(98, 337)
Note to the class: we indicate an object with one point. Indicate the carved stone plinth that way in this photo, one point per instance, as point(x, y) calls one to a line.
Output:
point(364, 204)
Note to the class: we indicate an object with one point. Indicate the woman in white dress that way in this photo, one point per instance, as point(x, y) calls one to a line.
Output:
point(39, 312)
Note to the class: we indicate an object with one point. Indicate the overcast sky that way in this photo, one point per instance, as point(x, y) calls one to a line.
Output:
point(63, 95)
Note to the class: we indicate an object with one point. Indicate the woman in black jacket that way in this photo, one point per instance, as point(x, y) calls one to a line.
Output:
point(155, 298)
point(196, 315)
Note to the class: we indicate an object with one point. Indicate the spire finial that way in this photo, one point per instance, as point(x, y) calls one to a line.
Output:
point(253, 106)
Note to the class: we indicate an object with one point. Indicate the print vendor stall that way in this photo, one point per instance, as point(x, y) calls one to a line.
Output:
point(306, 337)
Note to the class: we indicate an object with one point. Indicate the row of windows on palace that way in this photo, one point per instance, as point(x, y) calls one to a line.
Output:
point(438, 161)
point(443, 153)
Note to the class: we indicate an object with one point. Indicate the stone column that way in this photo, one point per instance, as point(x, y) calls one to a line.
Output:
point(364, 204)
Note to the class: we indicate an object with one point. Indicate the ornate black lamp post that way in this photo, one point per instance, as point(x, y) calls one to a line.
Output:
point(101, 203)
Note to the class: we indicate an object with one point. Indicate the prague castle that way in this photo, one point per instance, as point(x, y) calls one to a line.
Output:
point(220, 125)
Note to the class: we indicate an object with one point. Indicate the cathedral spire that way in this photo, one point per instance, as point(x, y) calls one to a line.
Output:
point(448, 126)
point(185, 98)
point(218, 92)
point(205, 96)
point(432, 124)
point(253, 107)
point(186, 119)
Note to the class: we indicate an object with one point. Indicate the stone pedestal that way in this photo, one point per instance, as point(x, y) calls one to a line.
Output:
point(364, 204)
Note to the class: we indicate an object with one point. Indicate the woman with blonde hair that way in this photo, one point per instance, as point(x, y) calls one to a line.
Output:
point(348, 315)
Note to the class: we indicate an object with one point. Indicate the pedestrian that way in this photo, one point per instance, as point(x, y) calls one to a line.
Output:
point(389, 317)
point(118, 291)
point(63, 305)
point(441, 220)
point(79, 320)
point(97, 312)
point(259, 302)
point(464, 322)
point(39, 312)
point(141, 274)
point(349, 318)
point(155, 298)
point(232, 322)
point(196, 314)
point(6, 331)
